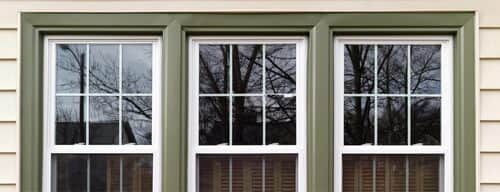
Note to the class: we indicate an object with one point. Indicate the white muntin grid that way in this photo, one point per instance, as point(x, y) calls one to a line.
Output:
point(446, 146)
point(195, 149)
point(50, 95)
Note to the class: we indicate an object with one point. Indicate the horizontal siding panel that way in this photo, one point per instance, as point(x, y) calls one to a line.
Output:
point(8, 165)
point(489, 39)
point(488, 140)
point(8, 74)
point(8, 136)
point(489, 105)
point(8, 45)
point(489, 171)
point(8, 188)
point(490, 187)
point(8, 106)
point(489, 74)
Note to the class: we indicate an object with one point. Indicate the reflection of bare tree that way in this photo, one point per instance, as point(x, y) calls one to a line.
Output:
point(103, 78)
point(247, 71)
point(78, 67)
point(392, 79)
point(358, 80)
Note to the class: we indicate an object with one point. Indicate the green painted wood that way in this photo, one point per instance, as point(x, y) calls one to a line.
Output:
point(176, 27)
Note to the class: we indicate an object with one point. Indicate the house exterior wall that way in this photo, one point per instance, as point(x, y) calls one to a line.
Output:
point(487, 67)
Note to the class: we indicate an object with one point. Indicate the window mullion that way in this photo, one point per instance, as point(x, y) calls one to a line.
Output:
point(230, 119)
point(408, 101)
point(264, 96)
point(375, 102)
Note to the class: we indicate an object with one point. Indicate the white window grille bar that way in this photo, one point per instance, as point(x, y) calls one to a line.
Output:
point(264, 97)
point(230, 119)
point(120, 98)
point(408, 100)
point(390, 95)
point(87, 90)
point(246, 94)
point(375, 119)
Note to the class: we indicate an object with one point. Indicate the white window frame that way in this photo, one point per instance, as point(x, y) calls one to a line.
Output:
point(299, 149)
point(446, 147)
point(51, 148)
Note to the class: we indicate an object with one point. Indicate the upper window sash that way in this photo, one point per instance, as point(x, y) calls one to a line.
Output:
point(195, 94)
point(445, 93)
point(51, 91)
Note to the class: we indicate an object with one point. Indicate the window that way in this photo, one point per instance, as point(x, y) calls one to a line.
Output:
point(393, 113)
point(101, 128)
point(247, 114)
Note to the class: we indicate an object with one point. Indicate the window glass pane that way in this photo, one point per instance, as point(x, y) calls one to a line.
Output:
point(213, 120)
point(426, 69)
point(359, 68)
point(70, 120)
point(358, 120)
point(426, 120)
point(102, 172)
point(247, 120)
point(69, 173)
point(136, 70)
point(392, 121)
point(136, 120)
point(104, 117)
point(392, 68)
point(391, 173)
point(280, 68)
point(280, 120)
point(214, 68)
point(104, 70)
point(247, 69)
point(247, 173)
point(71, 68)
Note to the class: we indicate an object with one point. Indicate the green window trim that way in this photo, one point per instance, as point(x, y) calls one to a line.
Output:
point(319, 27)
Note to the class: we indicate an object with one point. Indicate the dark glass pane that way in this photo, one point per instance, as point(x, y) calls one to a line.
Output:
point(426, 69)
point(247, 68)
point(426, 120)
point(71, 68)
point(104, 173)
point(137, 173)
point(213, 173)
point(70, 120)
point(392, 68)
point(137, 67)
point(247, 121)
point(213, 120)
point(69, 173)
point(392, 121)
point(214, 68)
point(103, 120)
point(280, 68)
point(357, 173)
point(241, 173)
point(280, 173)
point(358, 120)
point(395, 173)
point(137, 116)
point(424, 173)
point(104, 68)
point(246, 173)
point(280, 120)
point(390, 173)
point(359, 68)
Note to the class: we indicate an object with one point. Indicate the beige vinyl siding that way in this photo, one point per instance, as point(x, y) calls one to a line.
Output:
point(7, 187)
point(488, 67)
point(489, 107)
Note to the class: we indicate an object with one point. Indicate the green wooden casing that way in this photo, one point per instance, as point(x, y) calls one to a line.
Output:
point(175, 29)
